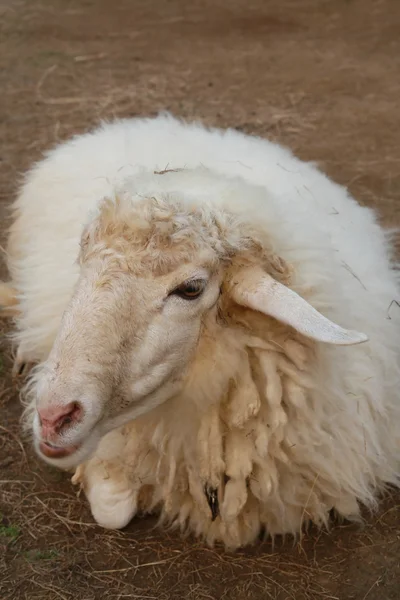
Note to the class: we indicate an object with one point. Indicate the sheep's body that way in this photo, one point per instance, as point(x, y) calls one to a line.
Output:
point(325, 431)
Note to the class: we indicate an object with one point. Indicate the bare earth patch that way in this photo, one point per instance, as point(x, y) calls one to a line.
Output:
point(322, 77)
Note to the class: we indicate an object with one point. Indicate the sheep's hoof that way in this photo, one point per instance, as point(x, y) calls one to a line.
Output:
point(212, 499)
point(112, 505)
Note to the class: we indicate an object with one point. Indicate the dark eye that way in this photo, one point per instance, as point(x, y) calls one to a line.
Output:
point(189, 290)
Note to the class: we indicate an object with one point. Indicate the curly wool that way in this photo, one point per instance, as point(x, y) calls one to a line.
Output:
point(262, 442)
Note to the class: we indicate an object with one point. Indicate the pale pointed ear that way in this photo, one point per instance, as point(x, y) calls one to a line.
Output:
point(255, 289)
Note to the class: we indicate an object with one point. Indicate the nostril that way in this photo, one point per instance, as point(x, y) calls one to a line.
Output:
point(72, 416)
point(58, 416)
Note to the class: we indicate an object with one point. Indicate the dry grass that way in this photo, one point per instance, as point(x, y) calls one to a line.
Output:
point(319, 76)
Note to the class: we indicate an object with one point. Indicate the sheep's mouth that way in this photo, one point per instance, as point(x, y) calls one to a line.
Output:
point(53, 451)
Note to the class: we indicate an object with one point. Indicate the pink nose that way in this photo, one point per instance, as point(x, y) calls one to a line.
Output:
point(54, 418)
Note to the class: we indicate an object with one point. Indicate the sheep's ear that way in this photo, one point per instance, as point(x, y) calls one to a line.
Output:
point(259, 291)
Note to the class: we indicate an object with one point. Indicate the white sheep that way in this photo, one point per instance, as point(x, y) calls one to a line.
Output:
point(171, 283)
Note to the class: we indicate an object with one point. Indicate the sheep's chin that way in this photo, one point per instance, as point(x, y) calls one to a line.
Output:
point(81, 453)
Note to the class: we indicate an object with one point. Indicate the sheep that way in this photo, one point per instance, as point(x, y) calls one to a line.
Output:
point(209, 321)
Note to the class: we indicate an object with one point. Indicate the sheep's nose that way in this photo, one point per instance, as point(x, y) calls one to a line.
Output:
point(54, 418)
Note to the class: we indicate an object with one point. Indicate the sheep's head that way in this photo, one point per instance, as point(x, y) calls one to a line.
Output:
point(156, 276)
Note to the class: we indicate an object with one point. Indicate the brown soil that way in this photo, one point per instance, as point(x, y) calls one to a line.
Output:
point(320, 76)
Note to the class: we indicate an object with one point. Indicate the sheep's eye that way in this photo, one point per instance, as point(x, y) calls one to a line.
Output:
point(190, 289)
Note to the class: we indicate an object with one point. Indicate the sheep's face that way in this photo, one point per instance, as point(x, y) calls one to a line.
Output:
point(150, 283)
point(147, 280)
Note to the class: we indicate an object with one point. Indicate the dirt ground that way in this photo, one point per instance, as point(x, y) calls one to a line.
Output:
point(320, 76)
